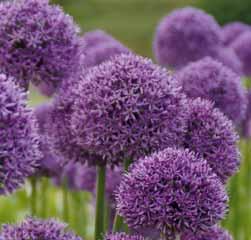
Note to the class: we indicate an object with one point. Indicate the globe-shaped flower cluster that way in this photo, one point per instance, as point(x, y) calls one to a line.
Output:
point(19, 144)
point(34, 229)
point(209, 79)
point(126, 108)
point(172, 190)
point(186, 35)
point(39, 43)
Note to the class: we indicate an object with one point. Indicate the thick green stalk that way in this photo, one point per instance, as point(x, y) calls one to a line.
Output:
point(33, 196)
point(65, 202)
point(44, 191)
point(118, 220)
point(100, 203)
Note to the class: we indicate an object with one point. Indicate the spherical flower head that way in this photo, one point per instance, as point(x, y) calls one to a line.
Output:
point(50, 164)
point(214, 233)
point(39, 42)
point(172, 191)
point(241, 46)
point(211, 135)
point(123, 236)
point(102, 52)
point(126, 108)
point(211, 80)
point(233, 30)
point(186, 35)
point(34, 229)
point(229, 58)
point(19, 147)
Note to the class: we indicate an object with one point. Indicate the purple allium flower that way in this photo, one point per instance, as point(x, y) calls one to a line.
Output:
point(172, 191)
point(211, 135)
point(39, 42)
point(34, 229)
point(19, 147)
point(233, 30)
point(210, 79)
point(126, 108)
point(186, 35)
point(242, 48)
point(123, 236)
point(229, 58)
point(49, 163)
point(214, 233)
point(102, 52)
point(246, 123)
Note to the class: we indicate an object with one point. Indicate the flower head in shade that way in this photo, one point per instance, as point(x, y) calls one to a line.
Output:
point(122, 236)
point(233, 30)
point(229, 58)
point(19, 146)
point(241, 46)
point(172, 191)
point(186, 35)
point(210, 79)
point(214, 233)
point(50, 164)
point(126, 108)
point(246, 123)
point(34, 229)
point(211, 135)
point(39, 42)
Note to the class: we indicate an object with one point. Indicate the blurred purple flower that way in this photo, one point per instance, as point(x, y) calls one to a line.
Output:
point(172, 191)
point(19, 147)
point(246, 123)
point(126, 108)
point(34, 229)
point(39, 43)
point(210, 79)
point(122, 236)
point(186, 35)
point(232, 31)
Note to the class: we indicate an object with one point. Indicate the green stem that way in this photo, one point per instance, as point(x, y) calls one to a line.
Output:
point(118, 220)
point(44, 189)
point(33, 196)
point(100, 203)
point(65, 203)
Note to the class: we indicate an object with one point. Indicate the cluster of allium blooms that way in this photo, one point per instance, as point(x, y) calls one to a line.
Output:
point(214, 233)
point(172, 190)
point(19, 147)
point(39, 43)
point(126, 108)
point(186, 35)
point(34, 229)
point(229, 58)
point(122, 236)
point(231, 31)
point(241, 46)
point(246, 123)
point(100, 47)
point(211, 135)
point(49, 163)
point(210, 79)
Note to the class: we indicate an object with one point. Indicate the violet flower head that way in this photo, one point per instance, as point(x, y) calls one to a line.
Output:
point(126, 108)
point(19, 147)
point(229, 58)
point(50, 164)
point(210, 79)
point(172, 191)
point(39, 43)
point(214, 233)
point(122, 236)
point(232, 31)
point(34, 229)
point(186, 35)
point(241, 46)
point(212, 135)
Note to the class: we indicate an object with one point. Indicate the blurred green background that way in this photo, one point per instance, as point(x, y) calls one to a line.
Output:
point(133, 22)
